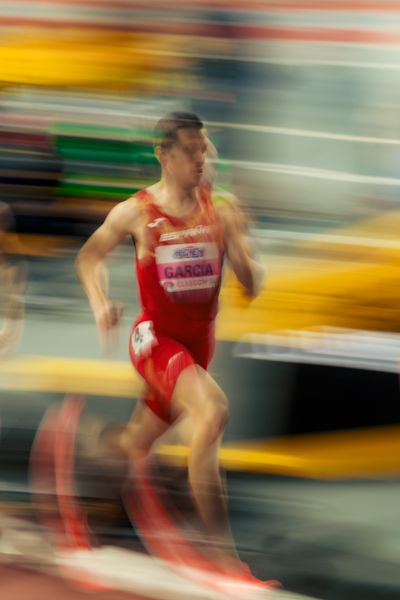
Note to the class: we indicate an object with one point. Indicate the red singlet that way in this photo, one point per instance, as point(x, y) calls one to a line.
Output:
point(179, 282)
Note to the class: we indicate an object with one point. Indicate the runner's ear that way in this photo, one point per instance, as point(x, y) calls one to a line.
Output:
point(157, 152)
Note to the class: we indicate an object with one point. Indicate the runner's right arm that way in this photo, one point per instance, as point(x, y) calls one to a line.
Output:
point(90, 265)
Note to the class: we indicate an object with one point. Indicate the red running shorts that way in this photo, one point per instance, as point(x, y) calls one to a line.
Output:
point(160, 359)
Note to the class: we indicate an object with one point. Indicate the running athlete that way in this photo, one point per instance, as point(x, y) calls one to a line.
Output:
point(181, 234)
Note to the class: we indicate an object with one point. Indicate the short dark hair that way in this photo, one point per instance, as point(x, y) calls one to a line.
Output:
point(166, 130)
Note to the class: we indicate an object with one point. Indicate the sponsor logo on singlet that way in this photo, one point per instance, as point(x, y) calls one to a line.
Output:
point(156, 222)
point(188, 267)
point(189, 252)
point(185, 234)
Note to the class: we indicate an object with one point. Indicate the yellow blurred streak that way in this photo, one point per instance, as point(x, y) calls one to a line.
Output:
point(69, 375)
point(349, 285)
point(89, 59)
point(30, 244)
point(357, 453)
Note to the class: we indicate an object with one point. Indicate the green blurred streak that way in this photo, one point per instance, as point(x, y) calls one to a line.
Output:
point(97, 191)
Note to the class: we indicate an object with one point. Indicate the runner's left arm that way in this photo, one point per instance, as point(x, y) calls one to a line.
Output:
point(249, 270)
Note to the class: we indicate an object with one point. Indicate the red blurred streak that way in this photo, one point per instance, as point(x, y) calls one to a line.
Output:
point(17, 583)
point(209, 29)
point(104, 4)
point(15, 119)
point(74, 520)
point(306, 6)
point(13, 138)
point(249, 5)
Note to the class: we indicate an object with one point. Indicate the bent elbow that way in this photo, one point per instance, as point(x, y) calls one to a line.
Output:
point(253, 290)
point(83, 262)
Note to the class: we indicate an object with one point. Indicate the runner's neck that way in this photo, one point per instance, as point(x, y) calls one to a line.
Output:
point(173, 202)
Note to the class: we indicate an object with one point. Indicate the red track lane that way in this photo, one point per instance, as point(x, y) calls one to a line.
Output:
point(23, 584)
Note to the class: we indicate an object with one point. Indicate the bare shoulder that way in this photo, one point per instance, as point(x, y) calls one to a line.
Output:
point(124, 215)
point(227, 206)
point(223, 200)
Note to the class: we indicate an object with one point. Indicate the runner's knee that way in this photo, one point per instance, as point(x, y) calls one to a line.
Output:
point(198, 395)
point(210, 423)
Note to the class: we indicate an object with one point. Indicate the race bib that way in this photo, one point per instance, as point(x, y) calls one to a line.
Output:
point(189, 269)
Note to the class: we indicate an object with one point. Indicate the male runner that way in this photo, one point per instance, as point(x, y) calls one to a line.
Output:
point(181, 234)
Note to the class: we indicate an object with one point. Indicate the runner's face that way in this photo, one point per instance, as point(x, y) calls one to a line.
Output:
point(185, 159)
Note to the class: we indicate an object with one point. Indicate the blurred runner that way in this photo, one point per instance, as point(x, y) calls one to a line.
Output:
point(181, 232)
point(12, 284)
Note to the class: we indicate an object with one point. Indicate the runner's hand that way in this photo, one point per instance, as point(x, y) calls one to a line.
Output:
point(109, 316)
point(107, 320)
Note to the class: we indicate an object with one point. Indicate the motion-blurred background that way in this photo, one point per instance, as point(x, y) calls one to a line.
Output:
point(302, 102)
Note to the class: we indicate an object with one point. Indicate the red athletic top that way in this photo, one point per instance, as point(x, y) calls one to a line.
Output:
point(180, 279)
